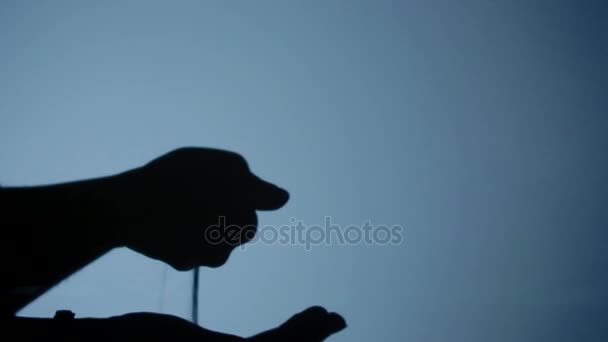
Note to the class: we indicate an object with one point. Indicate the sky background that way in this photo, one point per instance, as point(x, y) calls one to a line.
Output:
point(478, 126)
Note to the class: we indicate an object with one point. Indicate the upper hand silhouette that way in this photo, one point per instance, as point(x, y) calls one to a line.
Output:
point(191, 207)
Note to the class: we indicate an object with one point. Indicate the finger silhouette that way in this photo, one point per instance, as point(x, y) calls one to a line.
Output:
point(314, 324)
point(264, 195)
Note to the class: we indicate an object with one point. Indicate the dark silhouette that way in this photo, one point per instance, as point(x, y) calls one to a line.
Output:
point(166, 210)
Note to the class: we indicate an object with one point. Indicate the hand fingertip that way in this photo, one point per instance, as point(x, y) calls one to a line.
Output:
point(337, 322)
point(271, 198)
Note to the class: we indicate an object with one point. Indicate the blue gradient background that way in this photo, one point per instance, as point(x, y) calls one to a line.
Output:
point(479, 126)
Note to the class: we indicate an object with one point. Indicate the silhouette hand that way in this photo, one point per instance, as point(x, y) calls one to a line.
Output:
point(311, 325)
point(147, 326)
point(314, 324)
point(193, 206)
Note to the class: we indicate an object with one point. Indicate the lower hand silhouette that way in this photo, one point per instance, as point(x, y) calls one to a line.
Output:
point(314, 324)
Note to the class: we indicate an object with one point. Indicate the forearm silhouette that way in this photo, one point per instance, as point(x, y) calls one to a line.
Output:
point(165, 210)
